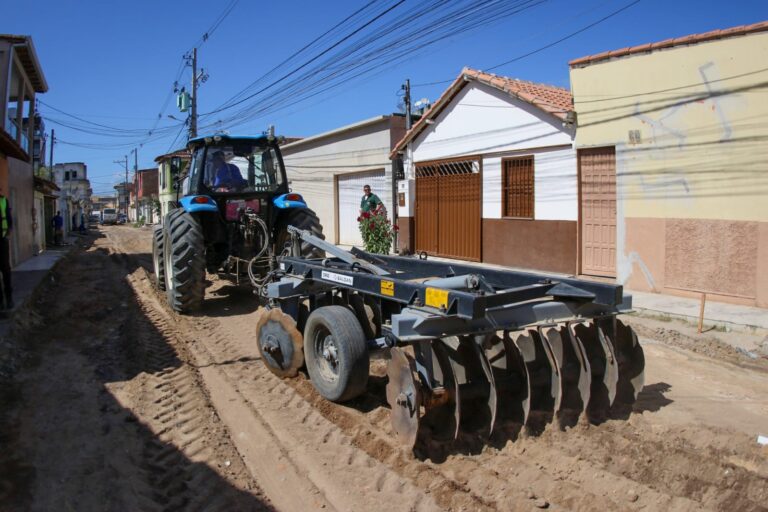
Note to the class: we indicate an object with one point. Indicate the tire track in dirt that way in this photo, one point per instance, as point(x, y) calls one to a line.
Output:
point(314, 447)
point(189, 437)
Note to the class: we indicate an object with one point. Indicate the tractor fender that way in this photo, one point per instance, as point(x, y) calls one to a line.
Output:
point(198, 203)
point(289, 200)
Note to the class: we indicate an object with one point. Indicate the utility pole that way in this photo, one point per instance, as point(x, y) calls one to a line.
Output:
point(398, 162)
point(50, 163)
point(407, 99)
point(193, 114)
point(125, 190)
point(136, 178)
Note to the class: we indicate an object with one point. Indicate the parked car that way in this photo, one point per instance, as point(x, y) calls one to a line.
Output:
point(109, 216)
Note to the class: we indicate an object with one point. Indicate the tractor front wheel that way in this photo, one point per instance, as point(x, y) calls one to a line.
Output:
point(184, 261)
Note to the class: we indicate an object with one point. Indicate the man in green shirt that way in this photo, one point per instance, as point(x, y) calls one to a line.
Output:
point(370, 202)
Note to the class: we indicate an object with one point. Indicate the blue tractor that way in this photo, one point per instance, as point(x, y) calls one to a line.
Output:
point(231, 218)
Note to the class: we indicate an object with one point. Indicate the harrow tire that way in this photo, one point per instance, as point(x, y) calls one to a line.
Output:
point(302, 218)
point(184, 249)
point(336, 353)
point(158, 257)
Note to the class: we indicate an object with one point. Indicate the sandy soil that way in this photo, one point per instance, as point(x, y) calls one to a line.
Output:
point(124, 405)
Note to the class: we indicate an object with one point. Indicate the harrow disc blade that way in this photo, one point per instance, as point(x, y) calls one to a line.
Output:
point(404, 396)
point(280, 343)
point(574, 374)
point(543, 378)
point(604, 370)
point(444, 410)
point(511, 378)
point(473, 375)
point(631, 361)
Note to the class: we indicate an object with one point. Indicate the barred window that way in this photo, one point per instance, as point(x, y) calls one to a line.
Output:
point(517, 186)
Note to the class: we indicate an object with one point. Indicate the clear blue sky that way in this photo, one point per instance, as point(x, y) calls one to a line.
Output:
point(114, 63)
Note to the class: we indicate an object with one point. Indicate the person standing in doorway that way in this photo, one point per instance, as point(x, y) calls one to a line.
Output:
point(6, 224)
point(370, 202)
point(58, 228)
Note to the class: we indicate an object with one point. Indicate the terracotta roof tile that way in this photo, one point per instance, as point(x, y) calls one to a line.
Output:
point(550, 99)
point(669, 43)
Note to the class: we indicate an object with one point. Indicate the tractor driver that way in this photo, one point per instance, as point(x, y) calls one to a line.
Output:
point(227, 176)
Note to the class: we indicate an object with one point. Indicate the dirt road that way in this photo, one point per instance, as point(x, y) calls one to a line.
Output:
point(124, 405)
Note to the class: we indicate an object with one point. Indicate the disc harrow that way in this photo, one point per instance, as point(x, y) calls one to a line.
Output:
point(470, 350)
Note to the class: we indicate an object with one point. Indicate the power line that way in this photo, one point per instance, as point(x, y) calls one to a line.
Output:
point(542, 48)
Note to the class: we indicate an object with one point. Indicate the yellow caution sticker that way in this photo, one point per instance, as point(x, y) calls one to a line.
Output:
point(388, 288)
point(437, 298)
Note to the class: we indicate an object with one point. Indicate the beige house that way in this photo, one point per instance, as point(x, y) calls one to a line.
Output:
point(672, 144)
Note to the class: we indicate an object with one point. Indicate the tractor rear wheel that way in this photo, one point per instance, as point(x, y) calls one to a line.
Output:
point(302, 218)
point(158, 257)
point(184, 261)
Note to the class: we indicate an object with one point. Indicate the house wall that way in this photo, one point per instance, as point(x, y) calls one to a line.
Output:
point(482, 120)
point(21, 194)
point(312, 165)
point(692, 181)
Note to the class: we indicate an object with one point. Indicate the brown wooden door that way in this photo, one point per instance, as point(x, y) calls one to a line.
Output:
point(597, 182)
point(448, 208)
point(427, 203)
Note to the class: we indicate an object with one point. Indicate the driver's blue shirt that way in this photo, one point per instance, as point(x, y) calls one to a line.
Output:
point(228, 175)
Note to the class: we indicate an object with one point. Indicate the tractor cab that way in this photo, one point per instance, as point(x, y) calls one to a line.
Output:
point(228, 166)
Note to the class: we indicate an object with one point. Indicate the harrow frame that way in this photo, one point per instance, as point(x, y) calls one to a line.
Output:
point(455, 333)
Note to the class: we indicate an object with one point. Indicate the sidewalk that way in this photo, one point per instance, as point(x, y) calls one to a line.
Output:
point(28, 275)
point(729, 316)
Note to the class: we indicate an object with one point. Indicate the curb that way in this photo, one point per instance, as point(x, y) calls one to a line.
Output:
point(709, 322)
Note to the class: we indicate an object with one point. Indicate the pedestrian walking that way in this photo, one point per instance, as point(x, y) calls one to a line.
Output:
point(6, 224)
point(370, 203)
point(82, 223)
point(58, 228)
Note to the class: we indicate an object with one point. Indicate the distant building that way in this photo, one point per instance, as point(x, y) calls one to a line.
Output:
point(147, 202)
point(21, 77)
point(99, 202)
point(75, 196)
point(166, 190)
point(123, 191)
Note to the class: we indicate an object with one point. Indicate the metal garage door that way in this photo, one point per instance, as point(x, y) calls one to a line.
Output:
point(350, 191)
point(448, 200)
point(597, 181)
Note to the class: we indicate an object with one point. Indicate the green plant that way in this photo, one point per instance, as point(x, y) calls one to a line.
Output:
point(377, 232)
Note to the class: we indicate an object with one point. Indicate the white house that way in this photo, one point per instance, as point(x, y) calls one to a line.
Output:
point(330, 169)
point(75, 196)
point(490, 175)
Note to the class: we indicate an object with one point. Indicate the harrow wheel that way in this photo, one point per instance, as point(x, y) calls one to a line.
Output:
point(336, 353)
point(280, 343)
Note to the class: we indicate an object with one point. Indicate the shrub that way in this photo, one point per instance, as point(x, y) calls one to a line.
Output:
point(377, 232)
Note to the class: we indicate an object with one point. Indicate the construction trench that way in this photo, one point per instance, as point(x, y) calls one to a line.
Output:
point(122, 404)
